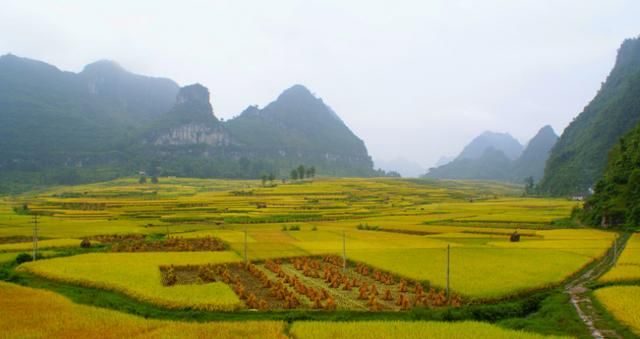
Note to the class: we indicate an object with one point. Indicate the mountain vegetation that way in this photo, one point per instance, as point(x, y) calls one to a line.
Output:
point(616, 200)
point(579, 159)
point(492, 164)
point(60, 127)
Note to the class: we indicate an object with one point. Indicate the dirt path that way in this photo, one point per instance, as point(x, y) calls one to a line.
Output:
point(579, 292)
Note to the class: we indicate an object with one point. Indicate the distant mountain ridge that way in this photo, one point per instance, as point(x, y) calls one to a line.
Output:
point(493, 163)
point(500, 141)
point(61, 127)
point(298, 123)
point(532, 161)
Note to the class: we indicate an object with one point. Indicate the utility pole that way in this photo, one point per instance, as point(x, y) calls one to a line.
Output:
point(246, 261)
point(448, 270)
point(35, 236)
point(344, 252)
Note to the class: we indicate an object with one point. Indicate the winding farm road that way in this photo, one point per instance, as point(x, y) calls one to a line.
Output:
point(579, 292)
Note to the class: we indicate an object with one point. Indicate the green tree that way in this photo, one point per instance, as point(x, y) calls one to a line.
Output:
point(271, 178)
point(312, 171)
point(294, 174)
point(301, 172)
point(528, 185)
point(142, 180)
point(264, 179)
point(154, 180)
point(616, 200)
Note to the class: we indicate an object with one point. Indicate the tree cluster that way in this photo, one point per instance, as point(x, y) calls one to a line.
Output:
point(300, 173)
point(616, 198)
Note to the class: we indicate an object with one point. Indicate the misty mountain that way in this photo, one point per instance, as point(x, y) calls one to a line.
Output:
point(499, 141)
point(494, 164)
point(579, 158)
point(300, 127)
point(141, 98)
point(61, 127)
point(406, 168)
point(50, 118)
point(534, 157)
point(190, 122)
point(443, 160)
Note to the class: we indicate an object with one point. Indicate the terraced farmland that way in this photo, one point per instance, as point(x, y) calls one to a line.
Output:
point(628, 266)
point(239, 247)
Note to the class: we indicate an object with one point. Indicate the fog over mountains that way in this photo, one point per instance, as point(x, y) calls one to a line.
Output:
point(105, 122)
point(499, 156)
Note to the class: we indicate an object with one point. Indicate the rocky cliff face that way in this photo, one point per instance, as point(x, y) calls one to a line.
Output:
point(191, 121)
point(194, 134)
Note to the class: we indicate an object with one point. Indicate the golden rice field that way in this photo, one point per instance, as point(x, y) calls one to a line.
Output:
point(137, 275)
point(42, 244)
point(57, 317)
point(31, 313)
point(623, 302)
point(403, 329)
point(403, 227)
point(628, 266)
point(473, 218)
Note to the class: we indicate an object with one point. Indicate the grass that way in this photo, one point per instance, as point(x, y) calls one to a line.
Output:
point(138, 275)
point(623, 302)
point(398, 329)
point(555, 316)
point(57, 317)
point(11, 256)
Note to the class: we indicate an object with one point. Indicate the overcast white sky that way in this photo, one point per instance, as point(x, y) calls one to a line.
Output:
point(413, 79)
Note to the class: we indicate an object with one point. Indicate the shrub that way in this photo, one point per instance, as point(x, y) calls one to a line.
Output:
point(85, 243)
point(294, 228)
point(23, 257)
point(366, 227)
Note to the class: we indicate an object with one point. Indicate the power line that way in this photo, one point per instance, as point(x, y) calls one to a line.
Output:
point(35, 237)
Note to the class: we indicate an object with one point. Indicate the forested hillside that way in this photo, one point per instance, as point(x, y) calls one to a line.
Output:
point(60, 127)
point(616, 200)
point(579, 158)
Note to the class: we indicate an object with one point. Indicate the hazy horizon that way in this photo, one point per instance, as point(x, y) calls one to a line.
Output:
point(414, 80)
